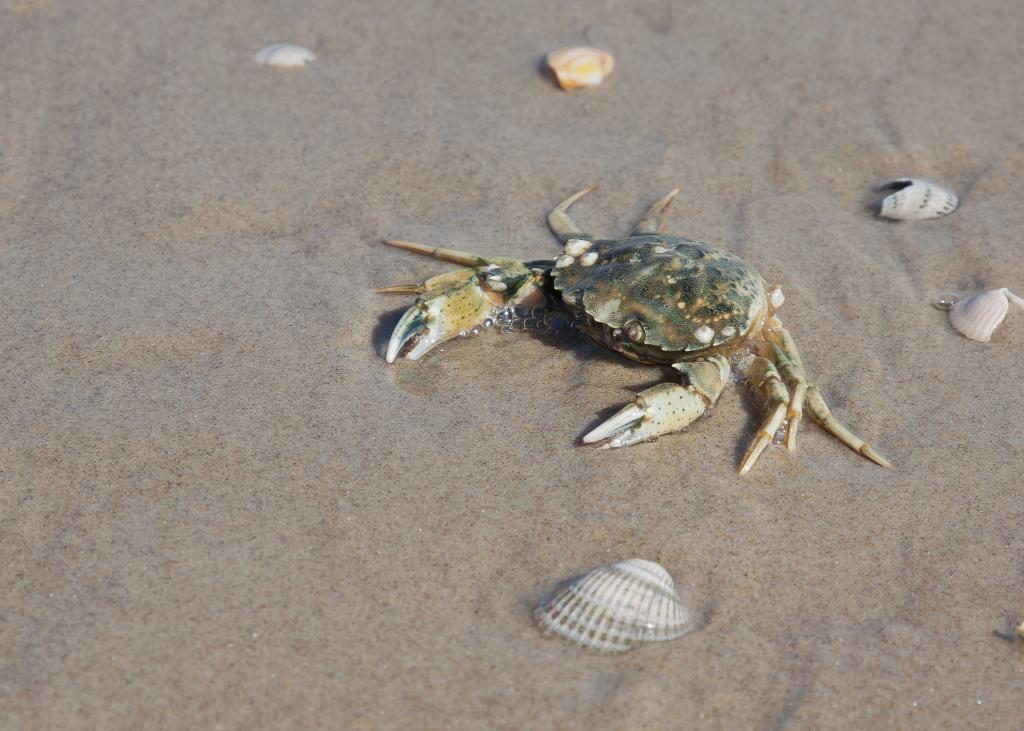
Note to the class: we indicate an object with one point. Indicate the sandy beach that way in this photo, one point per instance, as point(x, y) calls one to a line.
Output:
point(221, 509)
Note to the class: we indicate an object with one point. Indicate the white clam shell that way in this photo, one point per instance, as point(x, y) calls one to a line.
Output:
point(976, 317)
point(910, 199)
point(580, 67)
point(617, 607)
point(285, 55)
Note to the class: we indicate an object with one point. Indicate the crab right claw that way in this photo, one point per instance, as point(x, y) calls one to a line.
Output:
point(442, 312)
point(664, 408)
point(454, 303)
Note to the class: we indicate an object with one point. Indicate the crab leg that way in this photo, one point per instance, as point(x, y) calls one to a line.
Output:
point(654, 220)
point(789, 358)
point(764, 377)
point(793, 374)
point(665, 408)
point(561, 224)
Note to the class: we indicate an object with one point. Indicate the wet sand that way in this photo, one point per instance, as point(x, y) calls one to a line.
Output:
point(221, 509)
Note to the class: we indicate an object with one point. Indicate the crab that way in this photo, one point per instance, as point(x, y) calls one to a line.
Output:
point(653, 298)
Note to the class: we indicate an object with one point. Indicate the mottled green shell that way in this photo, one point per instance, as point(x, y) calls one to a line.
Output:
point(650, 296)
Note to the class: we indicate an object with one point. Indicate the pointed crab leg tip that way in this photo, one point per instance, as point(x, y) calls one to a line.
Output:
point(753, 454)
point(874, 456)
point(577, 195)
point(745, 466)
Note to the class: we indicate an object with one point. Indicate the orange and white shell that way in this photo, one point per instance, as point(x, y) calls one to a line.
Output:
point(580, 67)
point(976, 317)
point(614, 608)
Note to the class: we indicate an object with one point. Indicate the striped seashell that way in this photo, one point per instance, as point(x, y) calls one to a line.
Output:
point(976, 317)
point(581, 67)
point(284, 55)
point(909, 199)
point(616, 607)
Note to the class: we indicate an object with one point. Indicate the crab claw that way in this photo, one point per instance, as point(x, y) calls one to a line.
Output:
point(455, 303)
point(412, 325)
point(444, 312)
point(659, 410)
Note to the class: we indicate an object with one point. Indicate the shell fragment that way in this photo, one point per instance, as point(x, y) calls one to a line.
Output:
point(285, 55)
point(580, 67)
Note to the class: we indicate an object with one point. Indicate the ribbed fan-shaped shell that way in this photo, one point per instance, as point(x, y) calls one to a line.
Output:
point(617, 607)
point(915, 200)
point(977, 316)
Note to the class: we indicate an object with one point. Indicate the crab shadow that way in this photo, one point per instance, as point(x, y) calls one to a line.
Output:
point(565, 339)
point(1009, 633)
point(386, 323)
point(586, 351)
point(754, 411)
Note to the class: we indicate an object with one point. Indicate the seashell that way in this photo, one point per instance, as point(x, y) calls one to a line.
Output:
point(617, 607)
point(909, 199)
point(285, 55)
point(976, 317)
point(589, 259)
point(580, 67)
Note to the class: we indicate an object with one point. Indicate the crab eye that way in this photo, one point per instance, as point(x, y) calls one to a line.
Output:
point(776, 297)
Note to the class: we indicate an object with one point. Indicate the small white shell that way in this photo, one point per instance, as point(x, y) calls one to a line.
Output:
point(589, 258)
point(909, 199)
point(580, 67)
point(563, 261)
point(976, 317)
point(615, 608)
point(285, 55)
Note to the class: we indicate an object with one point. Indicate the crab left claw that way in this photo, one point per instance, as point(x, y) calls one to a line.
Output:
point(666, 407)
